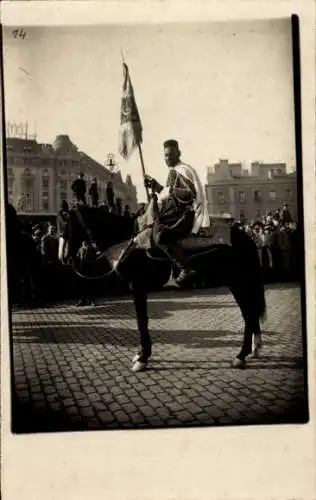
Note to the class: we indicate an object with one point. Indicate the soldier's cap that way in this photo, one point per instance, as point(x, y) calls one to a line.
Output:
point(171, 143)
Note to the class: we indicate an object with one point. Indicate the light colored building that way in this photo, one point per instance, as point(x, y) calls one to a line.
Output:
point(39, 176)
point(250, 194)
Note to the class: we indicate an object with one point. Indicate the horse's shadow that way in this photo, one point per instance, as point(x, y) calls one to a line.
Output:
point(160, 309)
point(163, 340)
point(264, 362)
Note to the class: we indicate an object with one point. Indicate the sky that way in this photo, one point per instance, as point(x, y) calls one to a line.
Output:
point(223, 90)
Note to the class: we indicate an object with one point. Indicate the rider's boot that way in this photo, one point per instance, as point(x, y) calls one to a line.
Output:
point(182, 261)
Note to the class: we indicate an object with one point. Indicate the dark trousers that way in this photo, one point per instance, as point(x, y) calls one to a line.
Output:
point(86, 290)
point(178, 254)
point(174, 223)
point(81, 198)
point(94, 201)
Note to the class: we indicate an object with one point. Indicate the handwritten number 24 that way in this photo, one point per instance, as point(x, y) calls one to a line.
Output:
point(19, 34)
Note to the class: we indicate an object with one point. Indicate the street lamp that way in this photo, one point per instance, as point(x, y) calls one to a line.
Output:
point(110, 163)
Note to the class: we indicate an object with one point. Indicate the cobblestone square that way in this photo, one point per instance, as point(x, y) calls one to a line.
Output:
point(72, 365)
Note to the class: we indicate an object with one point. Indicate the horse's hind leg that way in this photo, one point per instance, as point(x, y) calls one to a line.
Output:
point(140, 302)
point(257, 340)
point(240, 296)
point(246, 349)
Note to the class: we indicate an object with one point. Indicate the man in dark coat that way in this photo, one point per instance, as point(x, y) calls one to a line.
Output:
point(127, 212)
point(285, 213)
point(110, 195)
point(62, 217)
point(79, 188)
point(93, 192)
point(84, 286)
point(118, 206)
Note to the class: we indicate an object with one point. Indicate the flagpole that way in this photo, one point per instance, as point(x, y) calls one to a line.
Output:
point(143, 170)
point(139, 148)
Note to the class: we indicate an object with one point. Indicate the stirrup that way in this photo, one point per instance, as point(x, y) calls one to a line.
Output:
point(185, 275)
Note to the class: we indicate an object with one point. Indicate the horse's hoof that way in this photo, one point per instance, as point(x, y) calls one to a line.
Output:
point(257, 352)
point(257, 349)
point(238, 363)
point(139, 366)
point(136, 358)
point(257, 340)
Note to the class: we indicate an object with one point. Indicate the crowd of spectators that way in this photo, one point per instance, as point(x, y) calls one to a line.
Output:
point(276, 236)
point(54, 279)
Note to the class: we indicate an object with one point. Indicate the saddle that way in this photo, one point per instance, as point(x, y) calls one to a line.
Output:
point(217, 234)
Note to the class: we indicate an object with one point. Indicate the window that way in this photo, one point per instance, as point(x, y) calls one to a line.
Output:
point(257, 195)
point(28, 201)
point(10, 196)
point(9, 148)
point(45, 161)
point(242, 214)
point(242, 196)
point(45, 201)
point(27, 161)
point(27, 149)
point(258, 212)
point(10, 171)
point(62, 172)
point(288, 194)
point(63, 196)
point(45, 183)
point(221, 198)
point(272, 195)
point(63, 185)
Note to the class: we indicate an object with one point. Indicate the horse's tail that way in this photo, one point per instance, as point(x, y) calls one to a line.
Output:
point(247, 253)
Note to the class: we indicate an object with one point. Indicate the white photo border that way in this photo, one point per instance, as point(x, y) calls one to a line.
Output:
point(237, 463)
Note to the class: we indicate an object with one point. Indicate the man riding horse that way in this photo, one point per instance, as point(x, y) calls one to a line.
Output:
point(182, 208)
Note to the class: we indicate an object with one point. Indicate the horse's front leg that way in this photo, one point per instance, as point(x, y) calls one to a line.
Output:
point(140, 361)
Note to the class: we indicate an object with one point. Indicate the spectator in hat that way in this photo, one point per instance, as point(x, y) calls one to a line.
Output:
point(62, 217)
point(285, 214)
point(110, 195)
point(93, 192)
point(127, 212)
point(79, 189)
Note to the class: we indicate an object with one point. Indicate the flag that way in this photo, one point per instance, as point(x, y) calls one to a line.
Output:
point(130, 123)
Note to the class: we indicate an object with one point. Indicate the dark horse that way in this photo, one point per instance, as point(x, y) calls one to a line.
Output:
point(236, 265)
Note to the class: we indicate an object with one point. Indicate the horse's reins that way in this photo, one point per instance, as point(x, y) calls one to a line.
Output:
point(91, 242)
point(114, 268)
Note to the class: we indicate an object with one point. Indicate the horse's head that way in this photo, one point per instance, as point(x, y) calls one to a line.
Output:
point(86, 224)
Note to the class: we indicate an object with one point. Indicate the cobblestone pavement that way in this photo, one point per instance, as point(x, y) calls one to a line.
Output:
point(72, 366)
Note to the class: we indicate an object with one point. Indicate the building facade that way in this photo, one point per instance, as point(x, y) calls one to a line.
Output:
point(39, 176)
point(250, 194)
